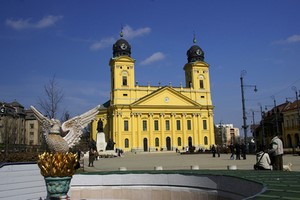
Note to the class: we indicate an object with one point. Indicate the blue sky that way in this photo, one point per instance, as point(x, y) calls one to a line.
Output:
point(73, 41)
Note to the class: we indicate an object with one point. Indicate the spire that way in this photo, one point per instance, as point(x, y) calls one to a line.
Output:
point(194, 39)
point(121, 33)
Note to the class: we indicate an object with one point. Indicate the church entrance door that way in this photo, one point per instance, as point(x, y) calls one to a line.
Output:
point(145, 144)
point(168, 142)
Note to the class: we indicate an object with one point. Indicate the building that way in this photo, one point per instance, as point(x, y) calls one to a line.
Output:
point(271, 125)
point(291, 124)
point(12, 122)
point(33, 129)
point(152, 118)
point(228, 134)
point(18, 127)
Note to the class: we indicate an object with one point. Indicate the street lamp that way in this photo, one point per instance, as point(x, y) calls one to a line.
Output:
point(298, 111)
point(243, 73)
point(262, 125)
point(276, 116)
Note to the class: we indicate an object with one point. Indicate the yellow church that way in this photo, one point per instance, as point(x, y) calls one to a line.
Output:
point(157, 118)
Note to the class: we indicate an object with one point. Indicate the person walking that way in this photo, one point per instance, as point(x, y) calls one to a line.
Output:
point(213, 150)
point(276, 153)
point(231, 147)
point(91, 157)
point(238, 151)
point(243, 148)
point(218, 150)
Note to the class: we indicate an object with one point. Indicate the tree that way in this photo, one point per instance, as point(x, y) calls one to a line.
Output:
point(51, 100)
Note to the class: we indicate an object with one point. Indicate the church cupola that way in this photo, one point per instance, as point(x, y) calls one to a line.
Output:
point(195, 53)
point(121, 47)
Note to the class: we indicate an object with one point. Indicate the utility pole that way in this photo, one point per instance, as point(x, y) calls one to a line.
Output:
point(276, 116)
point(245, 127)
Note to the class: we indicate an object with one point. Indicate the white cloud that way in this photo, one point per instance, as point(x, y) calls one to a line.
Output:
point(106, 42)
point(45, 22)
point(289, 40)
point(129, 33)
point(153, 58)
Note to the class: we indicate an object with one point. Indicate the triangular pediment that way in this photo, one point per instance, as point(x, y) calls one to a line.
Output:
point(165, 97)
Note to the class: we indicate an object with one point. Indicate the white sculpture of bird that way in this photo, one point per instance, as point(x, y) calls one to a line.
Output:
point(52, 129)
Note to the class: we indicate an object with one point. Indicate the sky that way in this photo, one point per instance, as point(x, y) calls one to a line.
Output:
point(72, 40)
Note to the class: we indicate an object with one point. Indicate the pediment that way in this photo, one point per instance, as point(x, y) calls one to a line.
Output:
point(165, 97)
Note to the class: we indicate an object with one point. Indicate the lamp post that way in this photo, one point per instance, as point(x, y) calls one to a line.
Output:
point(276, 115)
point(298, 111)
point(245, 127)
point(262, 125)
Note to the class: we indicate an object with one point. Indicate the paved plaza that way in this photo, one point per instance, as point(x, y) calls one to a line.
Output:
point(175, 161)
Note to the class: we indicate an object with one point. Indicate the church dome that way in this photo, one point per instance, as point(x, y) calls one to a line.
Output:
point(195, 53)
point(121, 48)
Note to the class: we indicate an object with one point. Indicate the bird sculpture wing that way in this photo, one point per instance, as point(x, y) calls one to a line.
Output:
point(75, 125)
point(46, 122)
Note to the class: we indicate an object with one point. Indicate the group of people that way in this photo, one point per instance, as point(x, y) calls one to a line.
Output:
point(238, 150)
point(270, 159)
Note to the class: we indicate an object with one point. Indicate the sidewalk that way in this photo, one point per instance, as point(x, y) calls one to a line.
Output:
point(174, 161)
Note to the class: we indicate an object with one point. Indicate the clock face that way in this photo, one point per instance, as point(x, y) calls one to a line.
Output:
point(198, 52)
point(123, 46)
point(166, 99)
point(2, 110)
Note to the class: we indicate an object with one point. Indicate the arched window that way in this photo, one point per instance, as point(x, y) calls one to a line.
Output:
point(126, 143)
point(179, 141)
point(205, 140)
point(157, 142)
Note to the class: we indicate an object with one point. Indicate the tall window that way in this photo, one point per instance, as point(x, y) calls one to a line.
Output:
point(201, 84)
point(204, 124)
point(126, 125)
point(126, 143)
point(124, 80)
point(144, 125)
point(167, 125)
point(157, 142)
point(189, 124)
point(156, 125)
point(179, 141)
point(178, 125)
point(31, 126)
point(205, 140)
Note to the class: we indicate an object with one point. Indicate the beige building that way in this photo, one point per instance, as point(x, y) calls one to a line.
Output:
point(33, 129)
point(229, 133)
point(153, 118)
point(291, 125)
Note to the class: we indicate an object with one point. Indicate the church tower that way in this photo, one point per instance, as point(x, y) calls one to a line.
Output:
point(196, 70)
point(122, 72)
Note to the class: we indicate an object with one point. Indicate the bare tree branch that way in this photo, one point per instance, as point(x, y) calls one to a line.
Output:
point(51, 100)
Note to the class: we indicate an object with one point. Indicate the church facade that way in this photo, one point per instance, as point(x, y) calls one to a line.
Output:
point(157, 118)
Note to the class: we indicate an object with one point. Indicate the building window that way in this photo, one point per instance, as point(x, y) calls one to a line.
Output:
point(156, 142)
point(31, 126)
point(167, 125)
point(205, 124)
point(125, 95)
point(156, 125)
point(144, 125)
point(189, 124)
point(179, 141)
point(31, 136)
point(126, 125)
point(201, 84)
point(124, 80)
point(205, 140)
point(126, 143)
point(178, 125)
